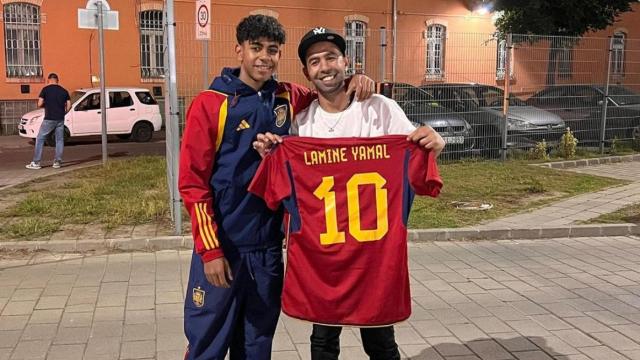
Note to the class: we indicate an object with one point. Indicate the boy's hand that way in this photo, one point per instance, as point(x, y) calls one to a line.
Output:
point(428, 138)
point(362, 85)
point(264, 142)
point(218, 272)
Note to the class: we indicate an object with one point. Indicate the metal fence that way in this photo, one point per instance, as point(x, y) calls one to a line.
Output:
point(456, 82)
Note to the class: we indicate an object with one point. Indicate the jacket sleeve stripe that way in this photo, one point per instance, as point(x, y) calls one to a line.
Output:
point(214, 238)
point(204, 234)
point(222, 121)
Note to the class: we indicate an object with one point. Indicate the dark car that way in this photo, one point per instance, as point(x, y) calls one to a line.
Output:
point(482, 106)
point(422, 109)
point(581, 108)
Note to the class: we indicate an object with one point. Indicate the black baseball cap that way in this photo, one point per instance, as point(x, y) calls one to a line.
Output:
point(316, 35)
point(53, 76)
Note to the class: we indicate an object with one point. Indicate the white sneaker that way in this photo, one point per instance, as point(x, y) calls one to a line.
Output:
point(34, 166)
point(57, 164)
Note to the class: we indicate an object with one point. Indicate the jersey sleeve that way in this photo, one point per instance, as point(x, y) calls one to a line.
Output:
point(300, 96)
point(271, 182)
point(398, 123)
point(197, 156)
point(423, 172)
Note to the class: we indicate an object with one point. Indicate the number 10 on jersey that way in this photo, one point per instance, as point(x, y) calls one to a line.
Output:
point(325, 191)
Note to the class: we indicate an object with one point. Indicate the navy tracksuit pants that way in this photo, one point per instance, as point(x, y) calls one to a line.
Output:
point(241, 319)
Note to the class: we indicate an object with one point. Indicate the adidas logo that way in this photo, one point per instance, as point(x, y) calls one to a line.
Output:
point(243, 125)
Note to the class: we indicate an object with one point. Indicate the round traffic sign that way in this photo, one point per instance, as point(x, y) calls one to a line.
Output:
point(203, 15)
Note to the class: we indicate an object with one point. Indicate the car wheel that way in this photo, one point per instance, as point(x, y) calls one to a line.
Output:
point(142, 132)
point(51, 139)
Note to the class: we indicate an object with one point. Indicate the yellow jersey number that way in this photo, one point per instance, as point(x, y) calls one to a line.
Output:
point(325, 192)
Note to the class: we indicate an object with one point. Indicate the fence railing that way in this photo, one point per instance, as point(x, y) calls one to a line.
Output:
point(487, 94)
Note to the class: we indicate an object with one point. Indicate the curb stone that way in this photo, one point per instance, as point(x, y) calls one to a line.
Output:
point(414, 236)
point(589, 162)
point(531, 233)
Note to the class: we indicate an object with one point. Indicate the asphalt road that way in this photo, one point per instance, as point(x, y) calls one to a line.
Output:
point(16, 152)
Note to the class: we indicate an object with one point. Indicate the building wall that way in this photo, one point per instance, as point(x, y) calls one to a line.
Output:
point(470, 53)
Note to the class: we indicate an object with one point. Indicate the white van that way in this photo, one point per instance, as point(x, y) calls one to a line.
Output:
point(131, 112)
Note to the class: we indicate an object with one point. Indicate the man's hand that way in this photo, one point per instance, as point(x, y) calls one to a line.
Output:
point(264, 142)
point(428, 138)
point(362, 85)
point(218, 272)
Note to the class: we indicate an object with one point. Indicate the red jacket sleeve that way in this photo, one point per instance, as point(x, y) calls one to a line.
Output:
point(197, 155)
point(300, 97)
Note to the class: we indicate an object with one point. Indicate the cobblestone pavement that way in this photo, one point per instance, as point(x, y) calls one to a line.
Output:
point(560, 298)
point(582, 207)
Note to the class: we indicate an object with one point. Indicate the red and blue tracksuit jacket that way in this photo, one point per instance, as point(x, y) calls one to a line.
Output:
point(217, 164)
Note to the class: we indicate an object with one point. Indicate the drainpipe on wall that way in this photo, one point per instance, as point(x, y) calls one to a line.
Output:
point(395, 40)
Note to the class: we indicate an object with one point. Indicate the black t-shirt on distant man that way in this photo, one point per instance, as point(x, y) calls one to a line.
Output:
point(55, 97)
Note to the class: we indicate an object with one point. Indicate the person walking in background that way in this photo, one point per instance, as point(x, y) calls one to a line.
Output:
point(56, 102)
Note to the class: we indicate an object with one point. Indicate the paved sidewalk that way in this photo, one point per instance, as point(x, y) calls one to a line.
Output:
point(582, 207)
point(569, 299)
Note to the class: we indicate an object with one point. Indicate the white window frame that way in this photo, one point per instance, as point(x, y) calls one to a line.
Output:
point(152, 44)
point(501, 59)
point(565, 62)
point(23, 53)
point(436, 35)
point(618, 48)
point(356, 39)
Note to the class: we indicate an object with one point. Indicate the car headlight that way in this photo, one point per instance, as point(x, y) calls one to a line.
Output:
point(34, 119)
point(519, 125)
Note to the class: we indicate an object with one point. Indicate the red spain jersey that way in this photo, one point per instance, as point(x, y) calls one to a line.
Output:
point(349, 201)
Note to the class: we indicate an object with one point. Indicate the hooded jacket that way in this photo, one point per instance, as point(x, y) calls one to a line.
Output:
point(217, 162)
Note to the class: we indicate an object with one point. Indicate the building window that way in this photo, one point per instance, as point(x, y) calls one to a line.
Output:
point(22, 40)
point(565, 62)
point(355, 32)
point(617, 54)
point(151, 44)
point(436, 36)
point(501, 59)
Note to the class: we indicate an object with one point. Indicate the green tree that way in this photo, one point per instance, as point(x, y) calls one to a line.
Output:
point(565, 20)
point(558, 17)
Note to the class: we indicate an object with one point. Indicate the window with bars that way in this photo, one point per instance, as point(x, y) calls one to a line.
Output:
point(565, 62)
point(355, 38)
point(151, 44)
point(436, 36)
point(22, 40)
point(501, 59)
point(617, 53)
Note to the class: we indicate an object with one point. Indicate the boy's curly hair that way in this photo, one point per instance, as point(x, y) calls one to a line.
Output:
point(254, 27)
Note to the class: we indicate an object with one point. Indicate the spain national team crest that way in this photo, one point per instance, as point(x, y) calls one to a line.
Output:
point(281, 114)
point(198, 297)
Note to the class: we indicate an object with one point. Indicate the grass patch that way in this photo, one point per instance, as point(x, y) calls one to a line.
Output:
point(629, 214)
point(125, 192)
point(134, 191)
point(510, 187)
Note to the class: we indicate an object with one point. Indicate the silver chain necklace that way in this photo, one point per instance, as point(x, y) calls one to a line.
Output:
point(332, 128)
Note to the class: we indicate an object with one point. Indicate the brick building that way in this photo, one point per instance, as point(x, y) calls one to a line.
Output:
point(444, 41)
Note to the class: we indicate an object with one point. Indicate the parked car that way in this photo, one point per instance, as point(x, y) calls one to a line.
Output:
point(131, 112)
point(581, 108)
point(422, 109)
point(482, 106)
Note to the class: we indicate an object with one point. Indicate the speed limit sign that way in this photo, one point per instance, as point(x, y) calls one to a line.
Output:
point(203, 19)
